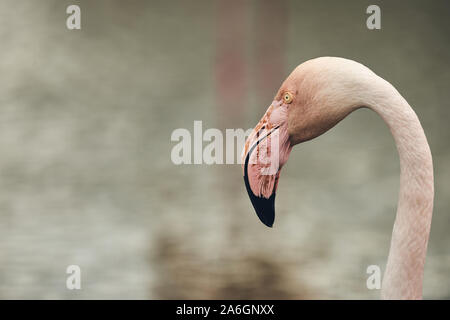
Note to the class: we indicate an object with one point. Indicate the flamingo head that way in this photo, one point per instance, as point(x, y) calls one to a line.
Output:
point(307, 105)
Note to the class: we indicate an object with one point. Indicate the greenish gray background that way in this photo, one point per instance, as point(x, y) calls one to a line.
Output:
point(86, 176)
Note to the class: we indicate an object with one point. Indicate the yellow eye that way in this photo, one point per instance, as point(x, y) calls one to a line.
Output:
point(287, 97)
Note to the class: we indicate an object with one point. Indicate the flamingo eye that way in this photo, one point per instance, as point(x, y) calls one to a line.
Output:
point(287, 97)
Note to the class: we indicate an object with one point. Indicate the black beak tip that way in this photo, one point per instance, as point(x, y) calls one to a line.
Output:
point(264, 208)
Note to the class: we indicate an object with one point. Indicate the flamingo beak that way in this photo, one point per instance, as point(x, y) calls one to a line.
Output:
point(264, 206)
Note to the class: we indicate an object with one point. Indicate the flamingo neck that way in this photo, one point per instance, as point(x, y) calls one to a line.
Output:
point(405, 265)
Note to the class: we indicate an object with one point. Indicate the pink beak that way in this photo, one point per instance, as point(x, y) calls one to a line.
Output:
point(266, 151)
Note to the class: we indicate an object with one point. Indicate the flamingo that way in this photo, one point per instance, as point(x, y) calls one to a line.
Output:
point(314, 98)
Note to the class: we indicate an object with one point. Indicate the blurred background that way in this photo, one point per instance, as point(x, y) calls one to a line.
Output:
point(86, 176)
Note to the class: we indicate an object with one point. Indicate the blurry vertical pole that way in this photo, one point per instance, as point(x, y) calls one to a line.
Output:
point(231, 73)
point(270, 33)
point(230, 64)
point(268, 45)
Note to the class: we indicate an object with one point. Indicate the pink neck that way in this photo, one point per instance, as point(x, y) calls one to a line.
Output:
point(404, 271)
